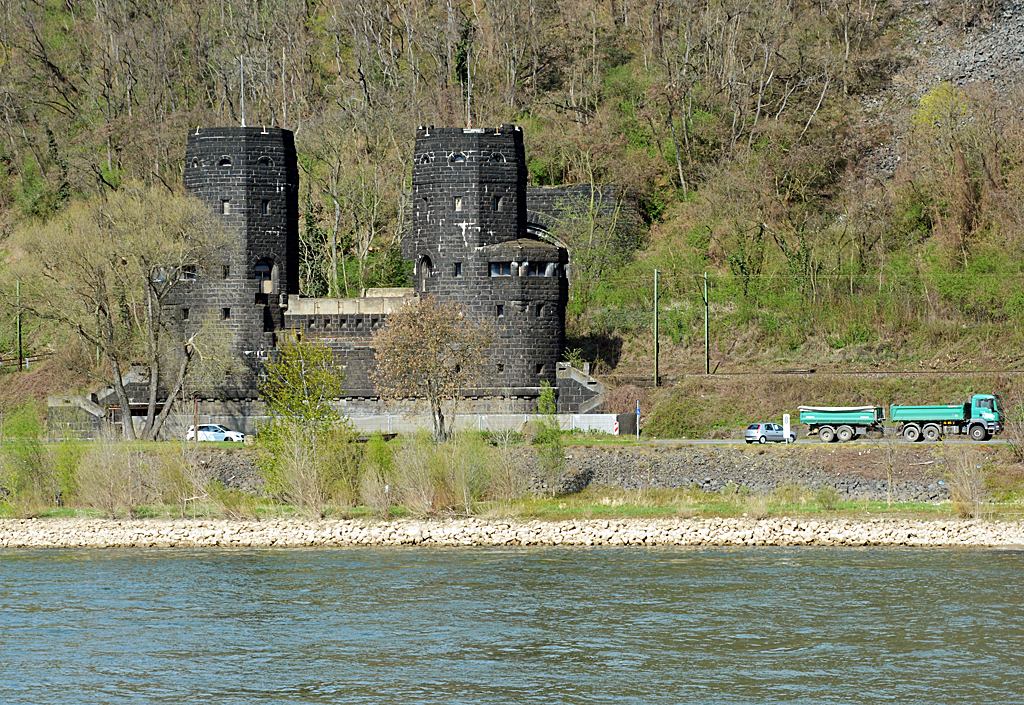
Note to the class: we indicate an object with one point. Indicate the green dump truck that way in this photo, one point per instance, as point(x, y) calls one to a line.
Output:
point(843, 423)
point(980, 418)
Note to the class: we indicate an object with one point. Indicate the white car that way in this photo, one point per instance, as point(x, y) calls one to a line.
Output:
point(214, 432)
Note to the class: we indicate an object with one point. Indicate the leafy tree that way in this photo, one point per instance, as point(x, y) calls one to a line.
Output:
point(104, 269)
point(550, 449)
point(301, 382)
point(305, 452)
point(430, 351)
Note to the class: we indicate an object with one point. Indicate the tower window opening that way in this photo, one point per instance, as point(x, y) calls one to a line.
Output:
point(501, 367)
point(312, 323)
point(265, 276)
point(265, 207)
point(226, 271)
point(225, 314)
point(499, 203)
point(501, 269)
point(497, 157)
point(540, 368)
point(224, 161)
point(225, 207)
point(458, 158)
point(538, 269)
point(499, 311)
point(540, 310)
point(457, 269)
point(195, 162)
point(184, 314)
point(265, 161)
point(458, 203)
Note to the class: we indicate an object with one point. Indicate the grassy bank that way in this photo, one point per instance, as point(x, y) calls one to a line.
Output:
point(703, 407)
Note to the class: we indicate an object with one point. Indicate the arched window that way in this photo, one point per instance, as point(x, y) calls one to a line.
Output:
point(497, 157)
point(264, 272)
point(224, 161)
point(265, 162)
point(195, 162)
point(424, 272)
point(457, 158)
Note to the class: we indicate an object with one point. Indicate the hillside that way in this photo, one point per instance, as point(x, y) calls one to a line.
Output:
point(850, 176)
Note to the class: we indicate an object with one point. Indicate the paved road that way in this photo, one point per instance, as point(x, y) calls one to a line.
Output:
point(813, 441)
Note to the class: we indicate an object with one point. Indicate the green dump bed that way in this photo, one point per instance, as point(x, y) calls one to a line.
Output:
point(947, 412)
point(841, 415)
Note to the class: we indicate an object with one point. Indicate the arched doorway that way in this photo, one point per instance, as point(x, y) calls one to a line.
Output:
point(423, 272)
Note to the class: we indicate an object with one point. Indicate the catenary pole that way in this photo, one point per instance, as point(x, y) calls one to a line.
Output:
point(657, 349)
point(20, 360)
point(707, 345)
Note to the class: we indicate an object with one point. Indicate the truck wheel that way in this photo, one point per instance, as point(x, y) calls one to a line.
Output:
point(912, 433)
point(932, 433)
point(826, 434)
point(978, 433)
point(844, 433)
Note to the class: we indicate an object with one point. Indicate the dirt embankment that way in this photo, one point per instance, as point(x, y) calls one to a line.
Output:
point(857, 472)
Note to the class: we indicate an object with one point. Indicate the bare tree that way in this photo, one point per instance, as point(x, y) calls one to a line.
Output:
point(430, 351)
point(104, 269)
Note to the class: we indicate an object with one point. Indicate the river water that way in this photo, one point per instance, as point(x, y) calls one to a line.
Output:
point(514, 625)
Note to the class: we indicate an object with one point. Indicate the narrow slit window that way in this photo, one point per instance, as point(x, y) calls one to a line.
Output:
point(540, 368)
point(457, 269)
point(184, 314)
point(225, 314)
point(499, 311)
point(540, 310)
point(501, 367)
point(265, 207)
point(225, 207)
point(458, 203)
point(226, 271)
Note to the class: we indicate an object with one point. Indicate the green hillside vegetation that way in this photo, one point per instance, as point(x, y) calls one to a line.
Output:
point(748, 133)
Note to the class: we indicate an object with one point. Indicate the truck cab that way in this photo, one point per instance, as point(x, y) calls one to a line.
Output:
point(987, 409)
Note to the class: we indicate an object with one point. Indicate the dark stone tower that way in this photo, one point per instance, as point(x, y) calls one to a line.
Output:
point(470, 246)
point(249, 176)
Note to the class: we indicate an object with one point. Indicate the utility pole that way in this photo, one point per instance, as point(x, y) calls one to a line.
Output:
point(707, 345)
point(656, 348)
point(20, 361)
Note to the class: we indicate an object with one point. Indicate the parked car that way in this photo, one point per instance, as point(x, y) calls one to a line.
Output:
point(764, 432)
point(214, 432)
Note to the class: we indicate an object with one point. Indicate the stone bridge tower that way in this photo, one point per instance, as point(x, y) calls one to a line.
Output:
point(249, 176)
point(470, 246)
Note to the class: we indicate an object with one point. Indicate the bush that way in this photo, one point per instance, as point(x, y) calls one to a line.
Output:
point(115, 478)
point(309, 467)
point(966, 480)
point(827, 497)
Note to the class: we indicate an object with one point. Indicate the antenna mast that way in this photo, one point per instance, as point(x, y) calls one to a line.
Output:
point(241, 72)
